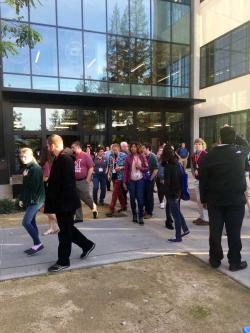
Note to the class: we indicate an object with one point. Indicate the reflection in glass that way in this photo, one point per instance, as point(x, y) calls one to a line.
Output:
point(71, 85)
point(161, 20)
point(161, 60)
point(26, 119)
point(10, 13)
point(69, 13)
point(174, 126)
point(44, 54)
point(95, 56)
point(161, 91)
point(17, 63)
point(140, 71)
point(122, 119)
point(61, 119)
point(31, 140)
point(44, 83)
point(140, 90)
point(240, 51)
point(16, 81)
point(94, 15)
point(180, 92)
point(148, 120)
point(94, 140)
point(96, 87)
point(140, 18)
point(44, 12)
point(93, 120)
point(70, 53)
point(119, 88)
point(118, 59)
point(180, 23)
point(118, 19)
point(180, 65)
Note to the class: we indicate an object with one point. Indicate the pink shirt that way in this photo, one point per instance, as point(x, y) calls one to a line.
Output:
point(136, 174)
point(82, 164)
point(46, 170)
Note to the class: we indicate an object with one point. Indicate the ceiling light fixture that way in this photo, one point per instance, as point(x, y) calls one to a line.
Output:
point(164, 78)
point(91, 63)
point(137, 67)
point(37, 56)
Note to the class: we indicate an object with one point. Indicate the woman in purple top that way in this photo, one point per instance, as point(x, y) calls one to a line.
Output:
point(135, 166)
point(46, 163)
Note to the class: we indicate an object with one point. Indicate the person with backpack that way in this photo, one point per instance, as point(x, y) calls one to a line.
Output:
point(173, 190)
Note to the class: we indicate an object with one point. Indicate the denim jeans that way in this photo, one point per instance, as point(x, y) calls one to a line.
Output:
point(136, 192)
point(179, 220)
point(149, 196)
point(29, 222)
point(102, 180)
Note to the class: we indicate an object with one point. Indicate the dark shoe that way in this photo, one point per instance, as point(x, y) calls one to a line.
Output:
point(141, 222)
point(95, 214)
point(110, 214)
point(32, 251)
point(196, 220)
point(135, 219)
point(214, 263)
point(78, 221)
point(122, 210)
point(234, 268)
point(86, 253)
point(175, 240)
point(202, 222)
point(57, 268)
point(101, 203)
point(169, 225)
point(185, 233)
point(27, 251)
point(147, 216)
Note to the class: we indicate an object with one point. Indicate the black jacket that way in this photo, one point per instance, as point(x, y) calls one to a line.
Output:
point(222, 175)
point(172, 179)
point(61, 193)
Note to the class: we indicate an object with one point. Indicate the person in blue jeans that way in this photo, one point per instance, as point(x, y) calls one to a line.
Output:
point(100, 175)
point(172, 183)
point(32, 197)
point(135, 167)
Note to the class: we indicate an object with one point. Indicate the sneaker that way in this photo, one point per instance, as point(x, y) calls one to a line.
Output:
point(141, 222)
point(86, 253)
point(95, 212)
point(56, 268)
point(175, 240)
point(234, 268)
point(32, 251)
point(27, 251)
point(185, 233)
point(169, 225)
point(162, 205)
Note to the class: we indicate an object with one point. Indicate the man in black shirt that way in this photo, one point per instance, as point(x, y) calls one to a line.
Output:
point(222, 187)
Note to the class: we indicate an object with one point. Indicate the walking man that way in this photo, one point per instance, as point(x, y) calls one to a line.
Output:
point(84, 167)
point(222, 188)
point(62, 200)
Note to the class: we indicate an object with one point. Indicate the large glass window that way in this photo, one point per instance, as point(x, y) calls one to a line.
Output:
point(148, 121)
point(93, 120)
point(140, 18)
point(180, 65)
point(118, 58)
point(45, 83)
point(69, 13)
point(94, 15)
point(17, 63)
point(61, 119)
point(140, 71)
point(10, 13)
point(226, 57)
point(161, 63)
point(26, 119)
point(70, 53)
point(118, 17)
point(122, 119)
point(17, 81)
point(95, 56)
point(161, 20)
point(180, 23)
point(44, 12)
point(44, 55)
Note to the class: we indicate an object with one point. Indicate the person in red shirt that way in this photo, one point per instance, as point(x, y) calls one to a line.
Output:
point(196, 159)
point(84, 167)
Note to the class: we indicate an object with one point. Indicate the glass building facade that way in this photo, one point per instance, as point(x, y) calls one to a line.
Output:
point(105, 71)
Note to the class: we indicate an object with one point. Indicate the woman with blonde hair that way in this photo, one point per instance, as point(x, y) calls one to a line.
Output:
point(46, 163)
point(32, 197)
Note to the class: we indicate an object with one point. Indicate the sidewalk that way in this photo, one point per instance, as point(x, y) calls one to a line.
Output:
point(117, 240)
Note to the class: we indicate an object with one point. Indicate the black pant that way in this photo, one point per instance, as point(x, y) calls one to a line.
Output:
point(160, 189)
point(67, 235)
point(232, 216)
point(149, 196)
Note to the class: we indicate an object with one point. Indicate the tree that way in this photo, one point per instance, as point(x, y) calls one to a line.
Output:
point(15, 34)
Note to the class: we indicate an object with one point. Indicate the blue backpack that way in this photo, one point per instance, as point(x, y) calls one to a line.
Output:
point(184, 184)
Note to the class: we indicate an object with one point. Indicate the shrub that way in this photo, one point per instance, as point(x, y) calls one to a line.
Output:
point(7, 206)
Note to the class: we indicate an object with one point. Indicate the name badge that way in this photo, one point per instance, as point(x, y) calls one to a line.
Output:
point(114, 171)
point(136, 174)
point(100, 169)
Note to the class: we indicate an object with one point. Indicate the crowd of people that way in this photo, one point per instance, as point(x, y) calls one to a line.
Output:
point(62, 180)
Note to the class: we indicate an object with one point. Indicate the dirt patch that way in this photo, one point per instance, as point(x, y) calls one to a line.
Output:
point(166, 294)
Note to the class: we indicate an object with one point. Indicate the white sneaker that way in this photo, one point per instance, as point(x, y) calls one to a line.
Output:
point(162, 205)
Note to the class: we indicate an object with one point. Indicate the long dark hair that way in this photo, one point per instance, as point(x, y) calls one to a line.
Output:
point(168, 155)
